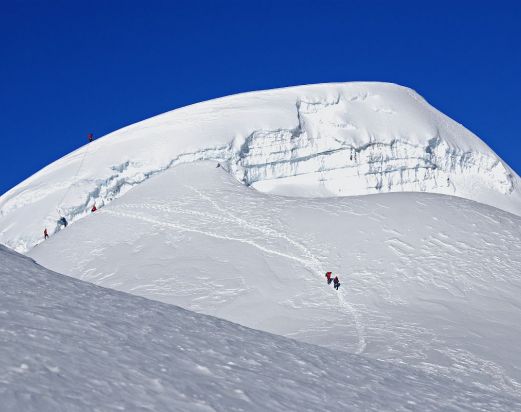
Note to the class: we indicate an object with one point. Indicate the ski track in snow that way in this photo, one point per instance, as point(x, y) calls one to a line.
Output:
point(309, 261)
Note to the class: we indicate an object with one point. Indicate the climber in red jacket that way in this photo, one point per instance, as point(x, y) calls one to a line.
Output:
point(328, 277)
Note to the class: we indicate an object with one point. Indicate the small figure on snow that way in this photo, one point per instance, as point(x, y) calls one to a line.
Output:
point(45, 234)
point(91, 137)
point(63, 222)
point(328, 277)
point(94, 208)
point(336, 283)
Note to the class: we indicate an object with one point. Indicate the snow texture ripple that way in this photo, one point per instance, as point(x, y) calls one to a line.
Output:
point(67, 345)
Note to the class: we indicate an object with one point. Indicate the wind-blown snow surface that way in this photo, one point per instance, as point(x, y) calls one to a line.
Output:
point(319, 140)
point(429, 281)
point(67, 345)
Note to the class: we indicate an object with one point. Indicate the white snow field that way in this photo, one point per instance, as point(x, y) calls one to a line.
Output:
point(428, 281)
point(319, 140)
point(429, 258)
point(67, 345)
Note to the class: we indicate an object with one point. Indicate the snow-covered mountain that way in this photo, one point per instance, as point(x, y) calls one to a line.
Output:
point(319, 140)
point(431, 275)
point(429, 281)
point(67, 345)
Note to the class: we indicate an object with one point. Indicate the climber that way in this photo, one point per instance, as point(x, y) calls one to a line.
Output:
point(45, 234)
point(94, 208)
point(218, 165)
point(328, 277)
point(63, 221)
point(91, 137)
point(336, 283)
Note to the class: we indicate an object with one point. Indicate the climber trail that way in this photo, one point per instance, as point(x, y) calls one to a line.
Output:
point(309, 260)
point(204, 232)
point(362, 344)
point(315, 268)
point(308, 263)
point(262, 229)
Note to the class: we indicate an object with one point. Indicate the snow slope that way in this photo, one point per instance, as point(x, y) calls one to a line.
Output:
point(319, 140)
point(428, 281)
point(67, 345)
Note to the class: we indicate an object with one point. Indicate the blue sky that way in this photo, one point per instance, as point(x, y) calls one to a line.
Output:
point(69, 67)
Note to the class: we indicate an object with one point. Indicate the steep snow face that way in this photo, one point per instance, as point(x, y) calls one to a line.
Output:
point(320, 140)
point(69, 345)
point(428, 281)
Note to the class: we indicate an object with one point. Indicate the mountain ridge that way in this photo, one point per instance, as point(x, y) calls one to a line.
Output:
point(325, 140)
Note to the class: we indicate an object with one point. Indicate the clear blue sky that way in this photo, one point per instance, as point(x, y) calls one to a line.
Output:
point(73, 67)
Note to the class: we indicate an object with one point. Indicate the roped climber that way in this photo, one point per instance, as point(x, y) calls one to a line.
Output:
point(336, 283)
point(45, 234)
point(328, 277)
point(63, 221)
point(90, 137)
point(94, 208)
